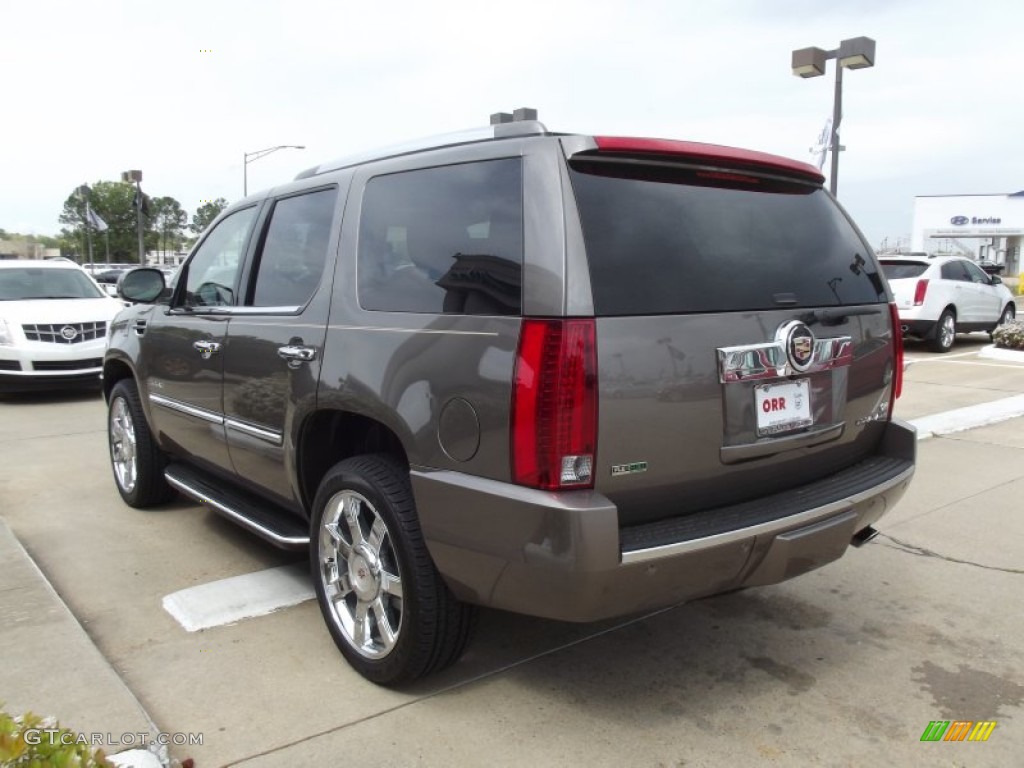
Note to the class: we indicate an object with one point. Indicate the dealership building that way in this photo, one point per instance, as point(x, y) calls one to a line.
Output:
point(984, 227)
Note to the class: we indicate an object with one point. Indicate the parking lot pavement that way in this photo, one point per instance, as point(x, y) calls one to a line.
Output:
point(843, 666)
point(942, 382)
point(42, 644)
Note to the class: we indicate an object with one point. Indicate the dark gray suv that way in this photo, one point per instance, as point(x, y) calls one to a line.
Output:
point(570, 376)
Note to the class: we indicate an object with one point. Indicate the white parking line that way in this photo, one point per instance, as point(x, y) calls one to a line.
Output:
point(909, 361)
point(240, 597)
point(939, 358)
point(985, 365)
point(256, 594)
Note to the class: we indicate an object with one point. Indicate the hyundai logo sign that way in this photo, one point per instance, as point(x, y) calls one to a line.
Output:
point(959, 221)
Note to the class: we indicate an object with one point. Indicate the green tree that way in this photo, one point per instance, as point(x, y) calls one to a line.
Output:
point(169, 220)
point(45, 240)
point(112, 201)
point(206, 213)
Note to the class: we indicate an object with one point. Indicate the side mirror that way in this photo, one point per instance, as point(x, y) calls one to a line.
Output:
point(995, 280)
point(143, 284)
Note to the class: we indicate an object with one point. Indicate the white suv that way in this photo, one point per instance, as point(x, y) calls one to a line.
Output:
point(940, 296)
point(53, 325)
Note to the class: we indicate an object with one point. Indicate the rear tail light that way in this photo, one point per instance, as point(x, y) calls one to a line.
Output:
point(897, 345)
point(919, 292)
point(554, 405)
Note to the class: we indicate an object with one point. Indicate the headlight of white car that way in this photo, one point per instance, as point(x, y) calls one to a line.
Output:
point(5, 333)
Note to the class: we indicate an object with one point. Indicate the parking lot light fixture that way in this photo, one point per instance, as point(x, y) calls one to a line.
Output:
point(854, 53)
point(251, 157)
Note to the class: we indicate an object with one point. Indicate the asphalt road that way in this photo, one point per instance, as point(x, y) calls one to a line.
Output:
point(845, 666)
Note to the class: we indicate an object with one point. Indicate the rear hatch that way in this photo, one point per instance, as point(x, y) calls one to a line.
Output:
point(744, 337)
point(905, 281)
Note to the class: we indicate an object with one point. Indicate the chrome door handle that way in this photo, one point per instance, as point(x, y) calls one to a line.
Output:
point(206, 349)
point(296, 355)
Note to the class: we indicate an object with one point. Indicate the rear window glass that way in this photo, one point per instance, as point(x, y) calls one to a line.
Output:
point(897, 270)
point(666, 240)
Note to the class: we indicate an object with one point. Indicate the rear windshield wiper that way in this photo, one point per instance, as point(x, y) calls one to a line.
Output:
point(835, 315)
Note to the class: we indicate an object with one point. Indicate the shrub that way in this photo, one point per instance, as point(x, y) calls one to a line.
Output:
point(1010, 336)
point(31, 740)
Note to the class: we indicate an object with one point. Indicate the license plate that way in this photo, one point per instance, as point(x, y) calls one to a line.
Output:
point(782, 407)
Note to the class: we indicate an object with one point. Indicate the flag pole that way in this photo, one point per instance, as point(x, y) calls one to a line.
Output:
point(87, 221)
point(88, 238)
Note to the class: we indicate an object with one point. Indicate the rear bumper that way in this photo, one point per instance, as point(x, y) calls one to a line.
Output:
point(923, 329)
point(920, 320)
point(563, 555)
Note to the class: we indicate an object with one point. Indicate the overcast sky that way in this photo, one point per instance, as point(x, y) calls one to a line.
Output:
point(182, 89)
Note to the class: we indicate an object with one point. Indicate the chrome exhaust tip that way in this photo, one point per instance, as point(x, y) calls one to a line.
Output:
point(863, 536)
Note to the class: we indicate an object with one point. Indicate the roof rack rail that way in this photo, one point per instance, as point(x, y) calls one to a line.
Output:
point(522, 122)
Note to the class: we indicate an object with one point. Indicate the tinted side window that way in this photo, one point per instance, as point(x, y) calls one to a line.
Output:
point(291, 260)
point(663, 240)
point(976, 274)
point(444, 240)
point(954, 270)
point(211, 274)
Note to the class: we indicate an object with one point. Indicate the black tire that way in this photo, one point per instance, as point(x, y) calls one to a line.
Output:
point(945, 332)
point(411, 625)
point(137, 463)
point(1009, 313)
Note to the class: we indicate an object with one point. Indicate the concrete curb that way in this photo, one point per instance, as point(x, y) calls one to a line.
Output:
point(971, 417)
point(51, 665)
point(992, 352)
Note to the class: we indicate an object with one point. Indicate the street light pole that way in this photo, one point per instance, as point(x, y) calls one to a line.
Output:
point(129, 177)
point(138, 219)
point(855, 53)
point(837, 116)
point(252, 157)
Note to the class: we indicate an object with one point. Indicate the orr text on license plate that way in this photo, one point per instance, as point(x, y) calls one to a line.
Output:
point(782, 407)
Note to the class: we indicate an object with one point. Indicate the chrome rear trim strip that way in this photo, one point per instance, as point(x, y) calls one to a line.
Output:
point(769, 360)
point(770, 527)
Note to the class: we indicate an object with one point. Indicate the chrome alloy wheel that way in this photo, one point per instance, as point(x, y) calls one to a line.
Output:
point(360, 575)
point(123, 445)
point(947, 331)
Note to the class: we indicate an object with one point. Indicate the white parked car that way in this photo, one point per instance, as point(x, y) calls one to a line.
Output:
point(53, 325)
point(938, 297)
